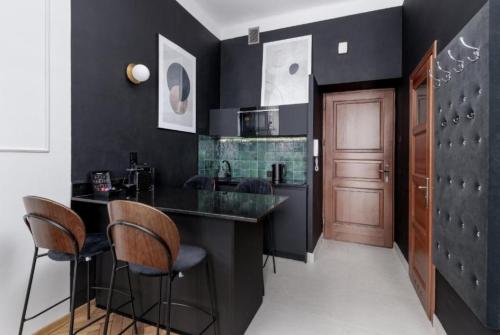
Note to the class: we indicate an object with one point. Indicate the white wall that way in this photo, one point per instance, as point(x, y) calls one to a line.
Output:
point(44, 174)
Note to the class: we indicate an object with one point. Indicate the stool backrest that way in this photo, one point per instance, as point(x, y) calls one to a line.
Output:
point(255, 186)
point(200, 183)
point(53, 225)
point(142, 235)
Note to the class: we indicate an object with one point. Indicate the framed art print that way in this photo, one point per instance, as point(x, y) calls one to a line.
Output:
point(285, 71)
point(176, 87)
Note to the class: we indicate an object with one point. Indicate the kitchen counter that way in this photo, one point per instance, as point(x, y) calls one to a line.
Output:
point(242, 207)
point(226, 224)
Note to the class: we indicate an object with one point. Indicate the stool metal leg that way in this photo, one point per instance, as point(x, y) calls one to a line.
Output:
point(160, 304)
point(72, 299)
point(87, 261)
point(28, 291)
point(211, 295)
point(110, 298)
point(132, 300)
point(270, 237)
point(273, 242)
point(169, 303)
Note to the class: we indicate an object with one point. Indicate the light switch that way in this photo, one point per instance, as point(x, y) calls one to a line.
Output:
point(343, 48)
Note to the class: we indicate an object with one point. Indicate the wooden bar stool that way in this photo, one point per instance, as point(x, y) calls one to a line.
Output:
point(148, 240)
point(59, 229)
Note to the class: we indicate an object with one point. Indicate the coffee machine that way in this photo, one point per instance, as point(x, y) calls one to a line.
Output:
point(139, 176)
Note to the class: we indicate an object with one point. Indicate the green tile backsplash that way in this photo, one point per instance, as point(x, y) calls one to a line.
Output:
point(253, 157)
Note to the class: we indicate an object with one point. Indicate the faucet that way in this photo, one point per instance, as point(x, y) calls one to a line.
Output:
point(228, 173)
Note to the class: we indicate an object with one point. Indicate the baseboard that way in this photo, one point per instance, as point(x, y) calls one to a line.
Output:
point(401, 257)
point(313, 256)
point(438, 327)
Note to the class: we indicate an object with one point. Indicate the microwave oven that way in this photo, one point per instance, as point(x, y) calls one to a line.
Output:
point(258, 122)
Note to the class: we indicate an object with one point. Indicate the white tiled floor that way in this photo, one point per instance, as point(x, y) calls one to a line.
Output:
point(351, 290)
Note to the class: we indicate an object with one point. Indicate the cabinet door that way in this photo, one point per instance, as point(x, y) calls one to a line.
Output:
point(224, 122)
point(293, 119)
point(290, 223)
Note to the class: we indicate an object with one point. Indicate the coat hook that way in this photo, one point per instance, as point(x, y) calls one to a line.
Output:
point(437, 81)
point(447, 76)
point(460, 63)
point(476, 51)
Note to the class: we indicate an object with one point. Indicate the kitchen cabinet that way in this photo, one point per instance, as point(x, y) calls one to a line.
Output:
point(290, 223)
point(224, 122)
point(293, 119)
point(289, 219)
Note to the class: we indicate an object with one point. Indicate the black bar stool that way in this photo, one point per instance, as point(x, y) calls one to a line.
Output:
point(149, 242)
point(260, 186)
point(200, 183)
point(60, 230)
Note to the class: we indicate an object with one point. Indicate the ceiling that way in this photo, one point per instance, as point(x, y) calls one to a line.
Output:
point(232, 18)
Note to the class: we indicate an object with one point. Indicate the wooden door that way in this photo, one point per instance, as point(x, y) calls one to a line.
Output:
point(358, 166)
point(422, 271)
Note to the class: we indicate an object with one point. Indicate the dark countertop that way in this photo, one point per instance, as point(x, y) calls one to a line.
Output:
point(242, 207)
point(236, 180)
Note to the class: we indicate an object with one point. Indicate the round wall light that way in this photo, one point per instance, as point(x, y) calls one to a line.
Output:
point(137, 73)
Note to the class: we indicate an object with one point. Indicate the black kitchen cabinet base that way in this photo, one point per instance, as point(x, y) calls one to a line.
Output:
point(290, 224)
point(289, 220)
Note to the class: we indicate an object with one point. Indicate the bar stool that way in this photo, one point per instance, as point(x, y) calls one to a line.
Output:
point(260, 186)
point(149, 242)
point(57, 228)
point(200, 183)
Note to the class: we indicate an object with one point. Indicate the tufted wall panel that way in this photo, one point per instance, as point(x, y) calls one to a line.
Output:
point(462, 209)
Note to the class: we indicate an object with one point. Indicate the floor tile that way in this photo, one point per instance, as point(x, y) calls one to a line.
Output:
point(351, 289)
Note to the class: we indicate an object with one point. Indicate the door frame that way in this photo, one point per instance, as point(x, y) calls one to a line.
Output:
point(425, 64)
point(326, 162)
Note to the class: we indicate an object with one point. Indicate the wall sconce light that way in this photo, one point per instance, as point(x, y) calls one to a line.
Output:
point(137, 73)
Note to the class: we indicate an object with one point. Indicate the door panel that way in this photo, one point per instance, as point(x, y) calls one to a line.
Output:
point(422, 271)
point(420, 152)
point(358, 206)
point(358, 166)
point(369, 170)
point(420, 265)
point(363, 116)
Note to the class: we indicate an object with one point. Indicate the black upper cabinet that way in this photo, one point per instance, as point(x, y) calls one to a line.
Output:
point(224, 122)
point(293, 121)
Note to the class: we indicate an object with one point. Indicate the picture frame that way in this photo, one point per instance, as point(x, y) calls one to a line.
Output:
point(176, 87)
point(286, 66)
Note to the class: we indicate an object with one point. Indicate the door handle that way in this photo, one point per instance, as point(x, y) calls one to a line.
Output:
point(386, 172)
point(426, 188)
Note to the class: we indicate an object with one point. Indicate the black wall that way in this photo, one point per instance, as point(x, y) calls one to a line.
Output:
point(374, 53)
point(424, 22)
point(111, 116)
point(375, 44)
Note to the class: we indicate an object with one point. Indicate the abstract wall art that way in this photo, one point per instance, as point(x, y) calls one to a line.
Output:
point(176, 87)
point(285, 71)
